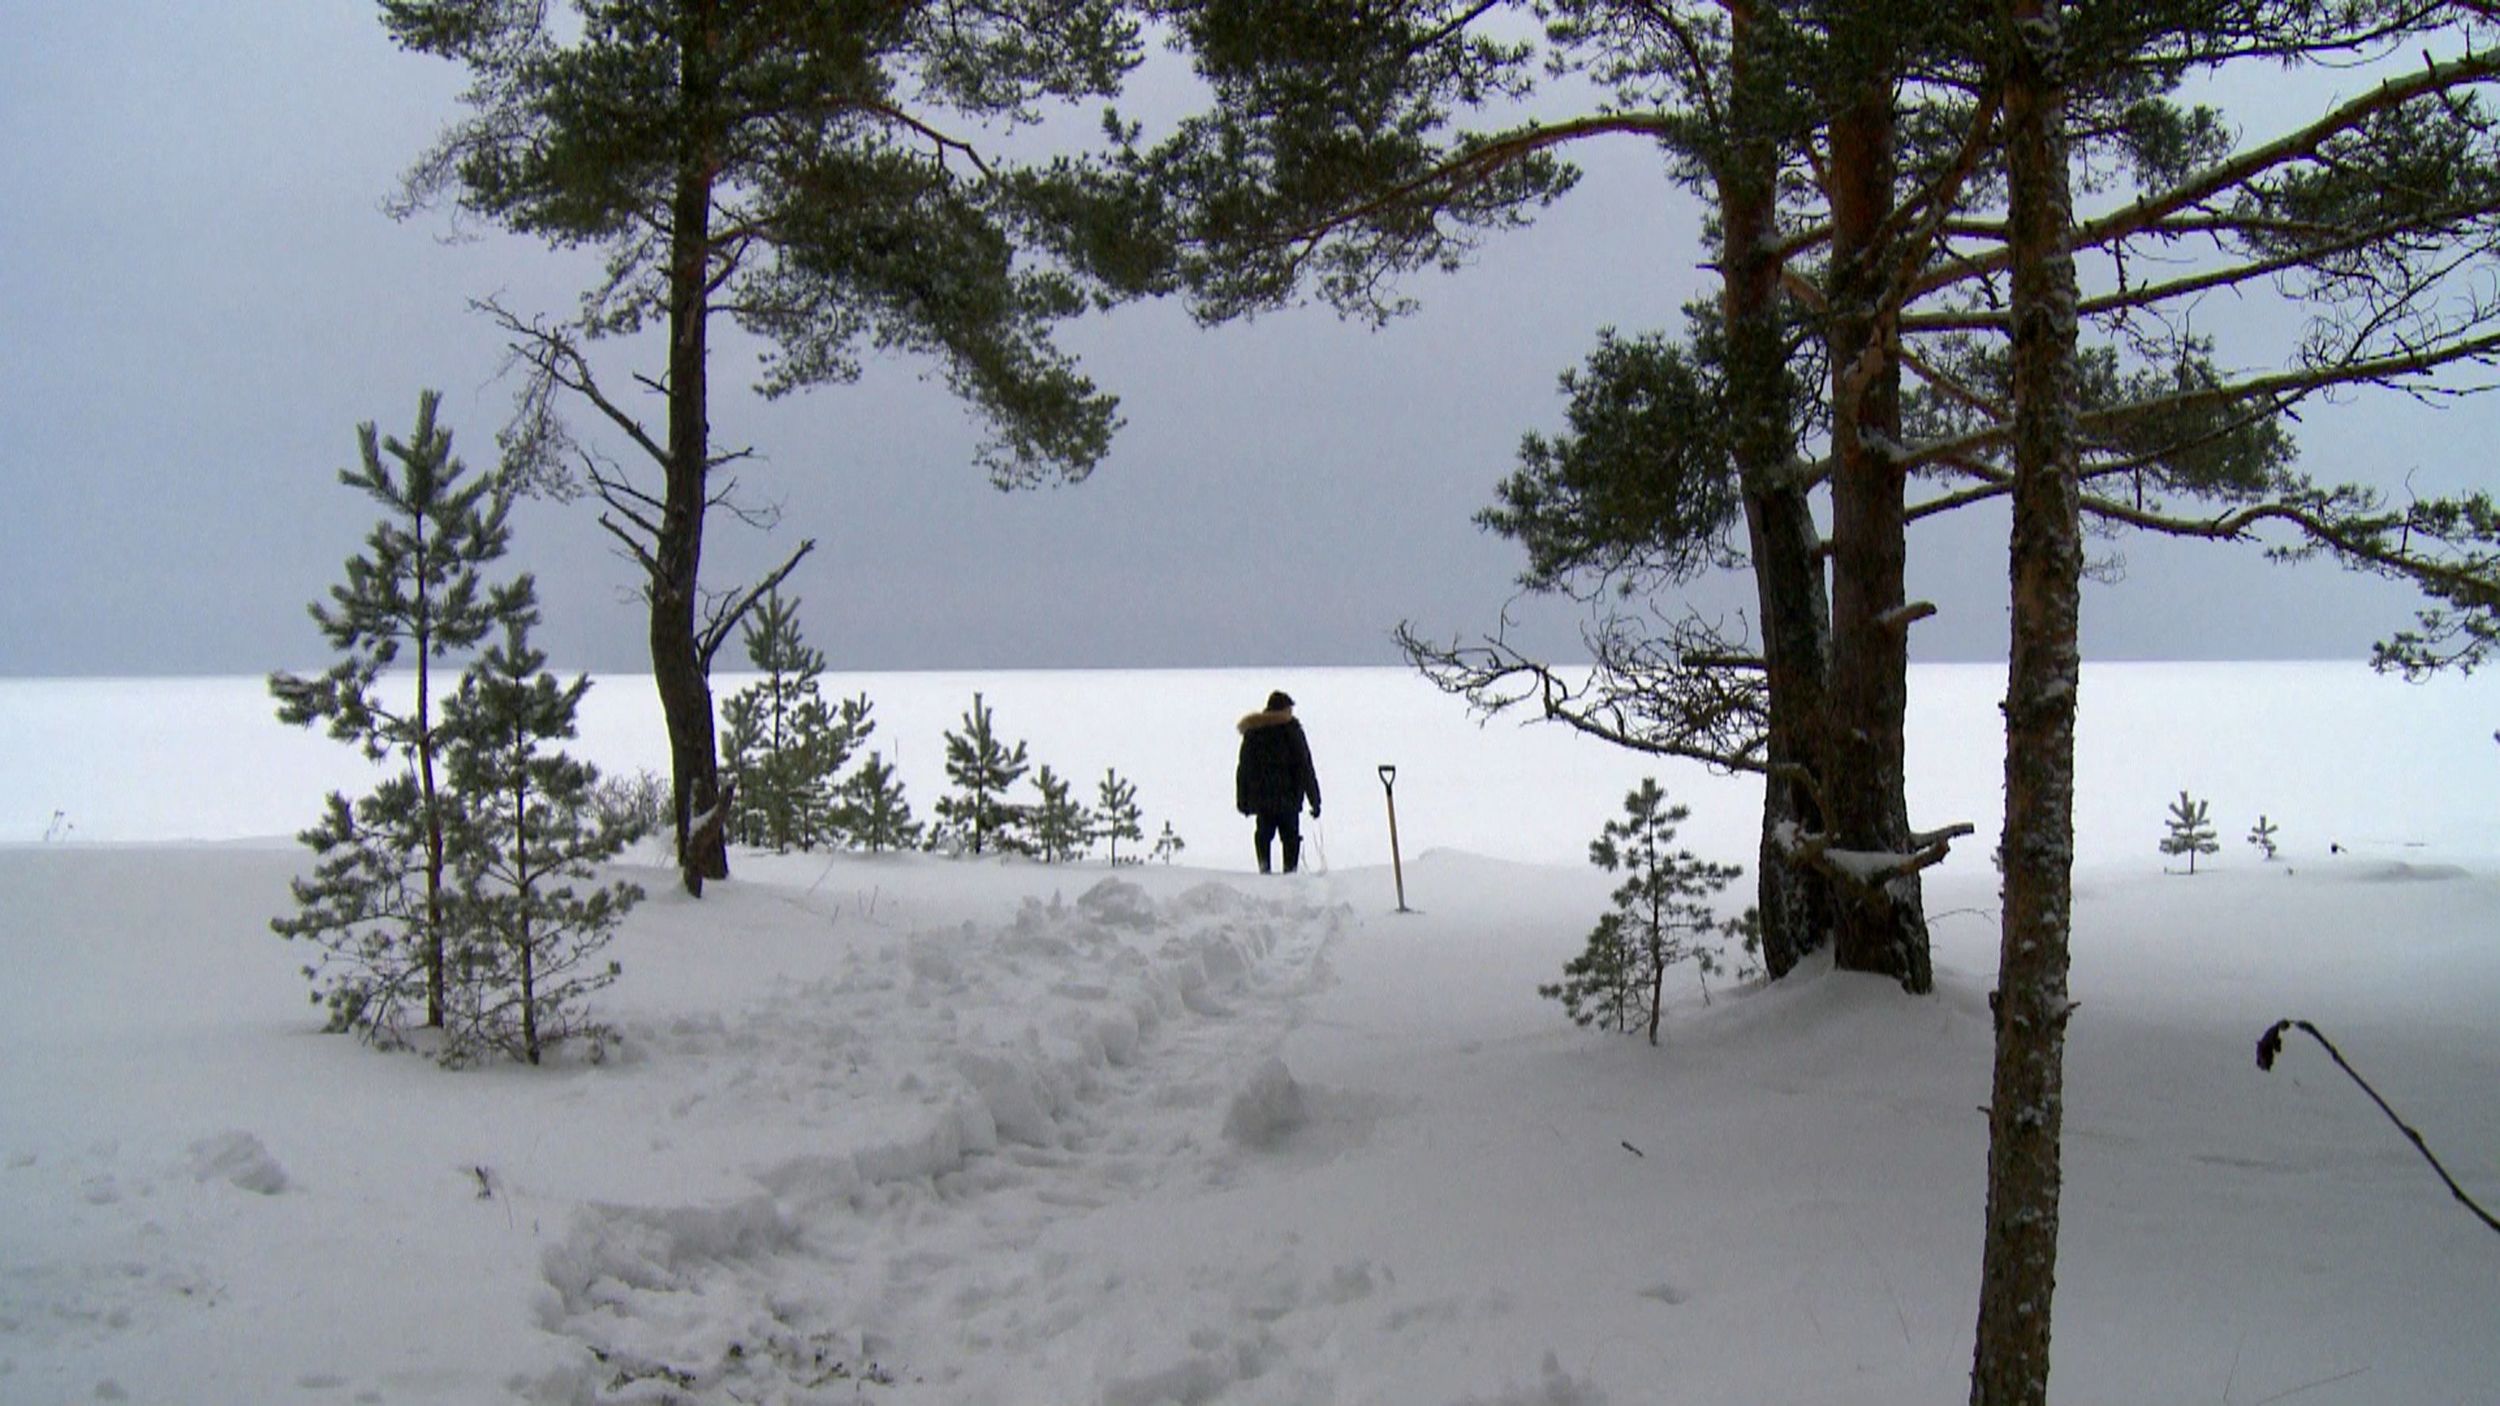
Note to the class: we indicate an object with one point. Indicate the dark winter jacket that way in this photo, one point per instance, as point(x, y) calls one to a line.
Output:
point(1275, 774)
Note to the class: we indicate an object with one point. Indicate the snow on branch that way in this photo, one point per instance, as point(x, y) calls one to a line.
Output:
point(1868, 870)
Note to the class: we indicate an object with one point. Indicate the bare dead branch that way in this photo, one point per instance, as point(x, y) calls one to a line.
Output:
point(553, 353)
point(716, 631)
point(2270, 1047)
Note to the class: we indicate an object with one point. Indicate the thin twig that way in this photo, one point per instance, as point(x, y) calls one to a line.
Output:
point(2270, 1045)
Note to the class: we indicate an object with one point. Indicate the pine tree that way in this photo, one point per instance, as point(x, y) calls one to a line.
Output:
point(1338, 156)
point(1061, 825)
point(874, 813)
point(805, 170)
point(1662, 916)
point(528, 942)
point(2026, 1107)
point(375, 901)
point(983, 768)
point(1169, 844)
point(368, 910)
point(1117, 815)
point(2262, 835)
point(785, 745)
point(2191, 833)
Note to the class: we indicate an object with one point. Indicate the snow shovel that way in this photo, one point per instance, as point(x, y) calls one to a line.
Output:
point(1397, 865)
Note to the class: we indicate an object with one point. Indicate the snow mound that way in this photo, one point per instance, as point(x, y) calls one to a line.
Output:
point(238, 1159)
point(1267, 1108)
point(1118, 903)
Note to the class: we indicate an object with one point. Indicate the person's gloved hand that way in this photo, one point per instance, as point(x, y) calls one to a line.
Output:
point(1315, 810)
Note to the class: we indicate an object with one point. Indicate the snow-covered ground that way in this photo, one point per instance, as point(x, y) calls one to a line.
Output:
point(918, 1130)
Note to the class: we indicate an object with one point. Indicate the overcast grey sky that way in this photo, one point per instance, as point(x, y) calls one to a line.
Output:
point(200, 299)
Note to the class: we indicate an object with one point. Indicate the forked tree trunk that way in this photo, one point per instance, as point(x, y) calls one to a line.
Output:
point(2018, 1272)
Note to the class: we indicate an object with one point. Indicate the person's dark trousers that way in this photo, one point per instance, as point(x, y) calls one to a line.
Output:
point(1287, 827)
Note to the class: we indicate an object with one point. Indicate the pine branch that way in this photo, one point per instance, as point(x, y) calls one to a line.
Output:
point(2144, 215)
point(2332, 241)
point(1466, 168)
point(2285, 388)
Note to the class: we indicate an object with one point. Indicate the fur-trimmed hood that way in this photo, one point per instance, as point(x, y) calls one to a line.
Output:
point(1271, 717)
point(1275, 775)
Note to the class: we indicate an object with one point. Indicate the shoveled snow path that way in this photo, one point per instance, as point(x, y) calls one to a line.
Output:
point(1016, 1076)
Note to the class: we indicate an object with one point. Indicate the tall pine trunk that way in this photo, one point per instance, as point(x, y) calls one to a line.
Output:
point(524, 939)
point(2018, 1272)
point(428, 792)
point(1879, 929)
point(1792, 900)
point(678, 666)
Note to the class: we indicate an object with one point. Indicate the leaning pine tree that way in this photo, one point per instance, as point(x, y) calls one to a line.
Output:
point(1662, 916)
point(374, 904)
point(529, 941)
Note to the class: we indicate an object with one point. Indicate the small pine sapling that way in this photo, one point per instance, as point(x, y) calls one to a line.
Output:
point(1117, 816)
point(1662, 916)
point(783, 743)
point(1168, 845)
point(874, 814)
point(527, 941)
point(418, 588)
point(2191, 832)
point(983, 768)
point(1596, 988)
point(1060, 826)
point(2262, 835)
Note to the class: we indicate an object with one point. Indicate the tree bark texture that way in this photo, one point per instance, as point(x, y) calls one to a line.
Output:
point(678, 667)
point(1792, 900)
point(2018, 1274)
point(1880, 929)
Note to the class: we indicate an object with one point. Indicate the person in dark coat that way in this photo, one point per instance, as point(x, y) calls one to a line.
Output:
point(1274, 778)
